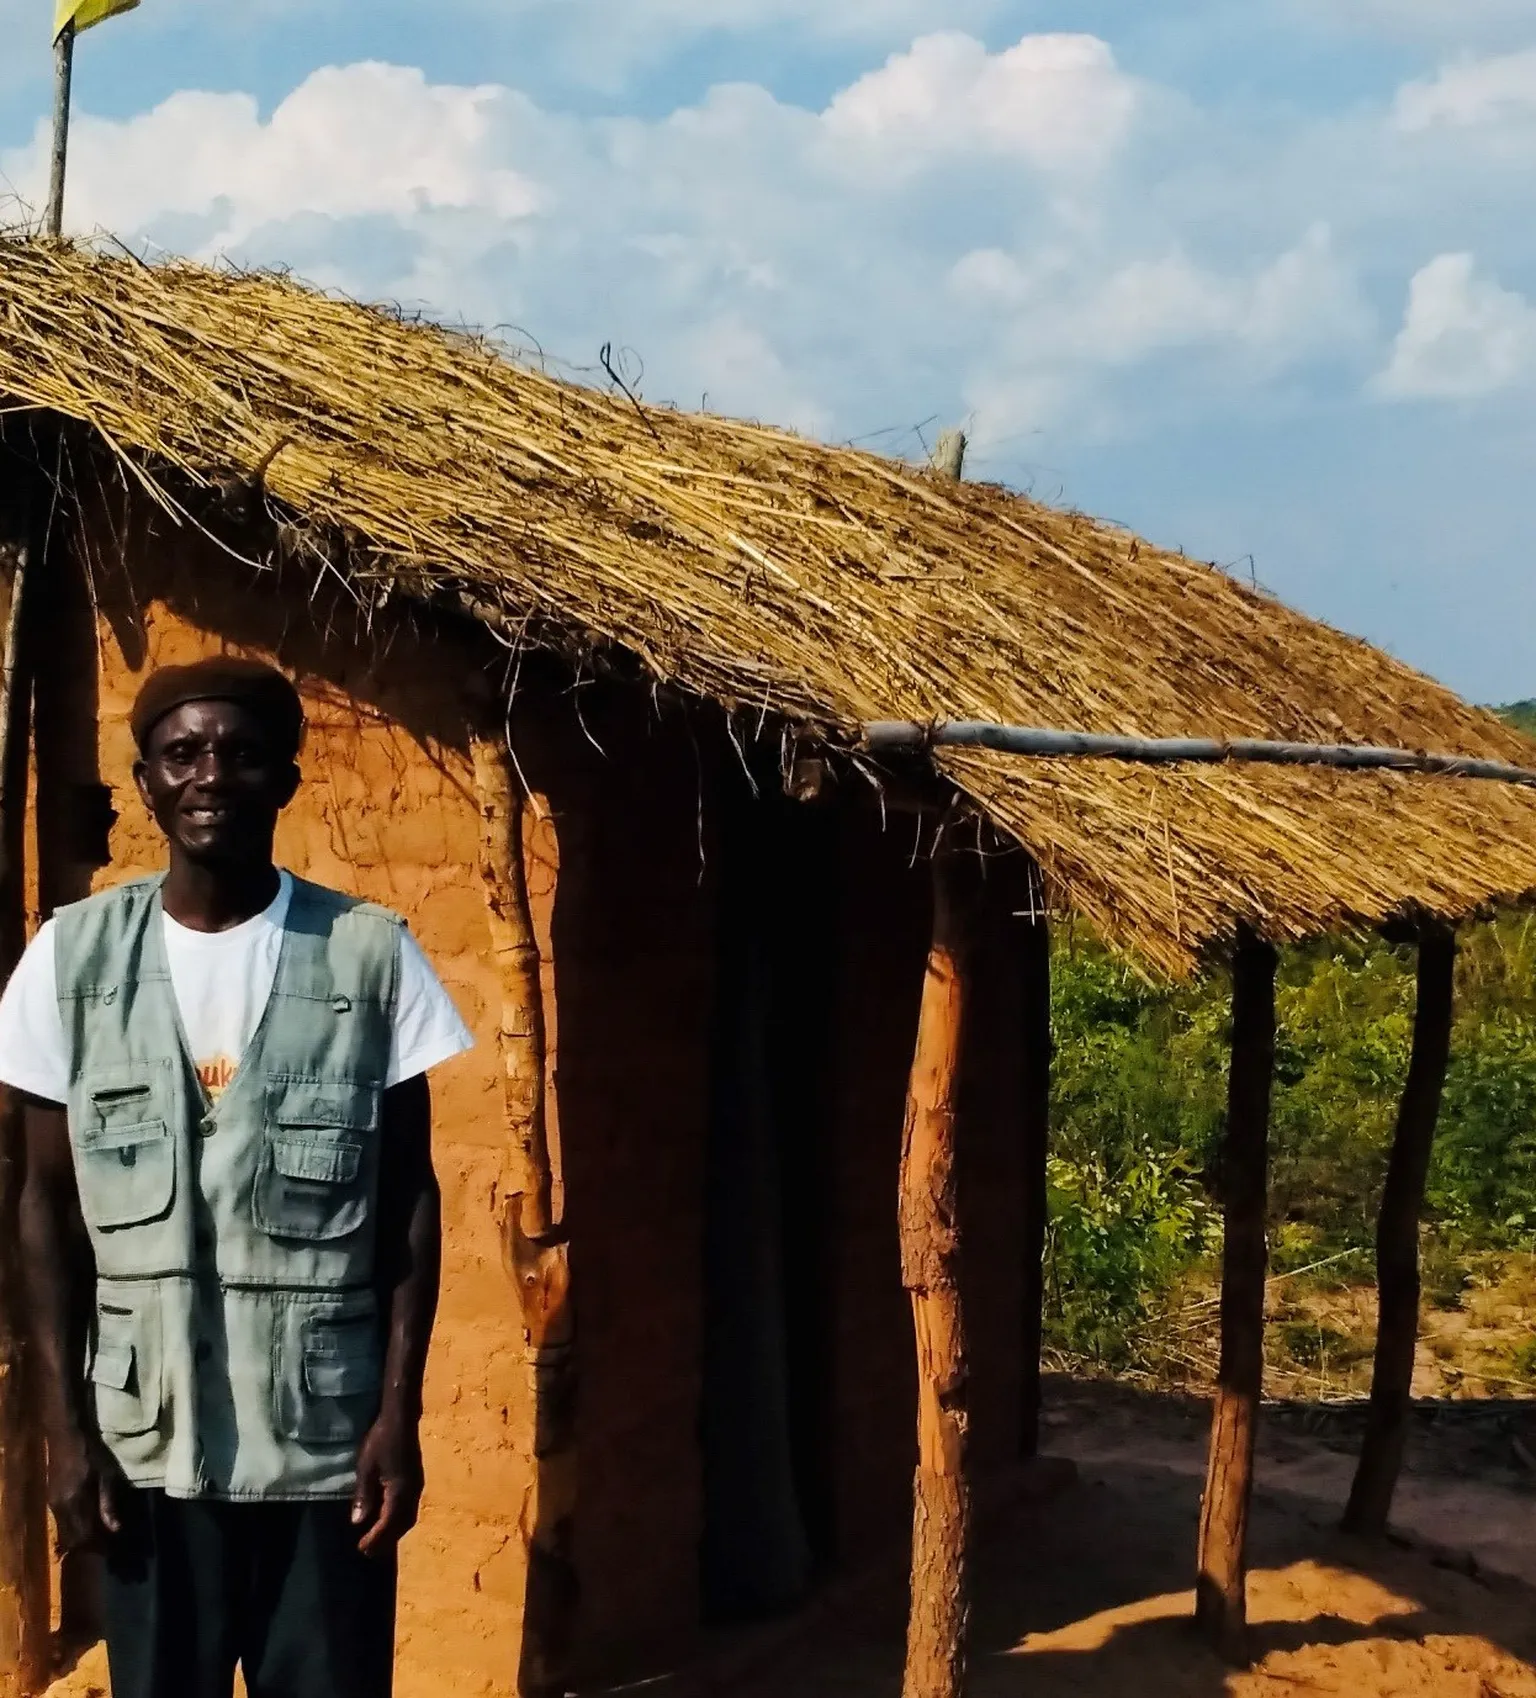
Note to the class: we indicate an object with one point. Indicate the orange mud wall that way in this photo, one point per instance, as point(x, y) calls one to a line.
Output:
point(624, 893)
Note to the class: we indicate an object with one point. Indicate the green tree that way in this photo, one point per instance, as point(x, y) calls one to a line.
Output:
point(1139, 1096)
point(1522, 715)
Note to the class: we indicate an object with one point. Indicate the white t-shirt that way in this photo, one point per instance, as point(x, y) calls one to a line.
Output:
point(222, 981)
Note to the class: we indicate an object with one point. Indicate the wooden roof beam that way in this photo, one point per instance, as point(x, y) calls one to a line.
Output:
point(906, 737)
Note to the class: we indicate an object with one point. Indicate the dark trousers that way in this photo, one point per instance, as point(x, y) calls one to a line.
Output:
point(190, 1589)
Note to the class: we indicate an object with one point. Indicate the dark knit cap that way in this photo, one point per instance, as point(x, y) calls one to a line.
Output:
point(225, 678)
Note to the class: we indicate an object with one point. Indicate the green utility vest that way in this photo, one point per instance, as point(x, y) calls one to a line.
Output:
point(237, 1350)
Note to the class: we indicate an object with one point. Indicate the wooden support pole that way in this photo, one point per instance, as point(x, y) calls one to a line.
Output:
point(534, 1241)
point(949, 455)
point(1035, 968)
point(1397, 1238)
point(930, 1251)
point(24, 1603)
point(1221, 1608)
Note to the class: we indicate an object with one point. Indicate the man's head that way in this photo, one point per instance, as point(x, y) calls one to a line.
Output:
point(218, 748)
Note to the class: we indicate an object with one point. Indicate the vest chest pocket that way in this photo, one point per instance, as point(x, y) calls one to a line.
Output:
point(312, 1178)
point(125, 1158)
point(125, 1370)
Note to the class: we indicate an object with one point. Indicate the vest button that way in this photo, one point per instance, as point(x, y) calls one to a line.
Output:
point(208, 1126)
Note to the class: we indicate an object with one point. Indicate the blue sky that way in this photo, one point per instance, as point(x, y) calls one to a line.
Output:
point(1257, 277)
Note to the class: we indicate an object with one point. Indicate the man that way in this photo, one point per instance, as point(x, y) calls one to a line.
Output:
point(231, 1223)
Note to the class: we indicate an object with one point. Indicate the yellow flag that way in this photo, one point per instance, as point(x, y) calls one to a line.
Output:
point(83, 13)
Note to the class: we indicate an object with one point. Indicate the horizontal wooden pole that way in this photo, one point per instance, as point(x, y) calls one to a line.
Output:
point(894, 736)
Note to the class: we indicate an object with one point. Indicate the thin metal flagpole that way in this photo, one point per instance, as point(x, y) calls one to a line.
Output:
point(63, 76)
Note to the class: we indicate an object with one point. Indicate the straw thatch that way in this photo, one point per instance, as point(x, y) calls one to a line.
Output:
point(822, 585)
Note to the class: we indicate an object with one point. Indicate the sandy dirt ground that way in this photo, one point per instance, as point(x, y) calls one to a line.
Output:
point(1086, 1592)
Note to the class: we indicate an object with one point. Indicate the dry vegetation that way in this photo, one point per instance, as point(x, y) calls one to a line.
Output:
point(795, 583)
point(1477, 1339)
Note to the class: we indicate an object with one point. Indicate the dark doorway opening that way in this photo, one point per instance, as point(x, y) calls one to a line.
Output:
point(766, 1420)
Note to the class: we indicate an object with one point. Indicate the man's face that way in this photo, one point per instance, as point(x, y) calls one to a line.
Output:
point(214, 782)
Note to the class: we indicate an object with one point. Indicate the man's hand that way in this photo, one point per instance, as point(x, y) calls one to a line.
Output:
point(85, 1490)
point(389, 1484)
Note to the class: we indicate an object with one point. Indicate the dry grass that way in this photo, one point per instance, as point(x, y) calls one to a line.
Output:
point(782, 578)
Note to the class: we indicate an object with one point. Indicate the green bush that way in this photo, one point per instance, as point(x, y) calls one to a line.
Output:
point(1133, 1115)
point(1139, 1100)
point(1522, 1360)
point(1482, 1181)
point(1522, 715)
point(1121, 1236)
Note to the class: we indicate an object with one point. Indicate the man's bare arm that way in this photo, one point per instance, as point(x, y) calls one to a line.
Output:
point(83, 1481)
point(409, 1255)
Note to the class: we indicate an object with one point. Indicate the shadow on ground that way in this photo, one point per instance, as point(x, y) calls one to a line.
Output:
point(1088, 1593)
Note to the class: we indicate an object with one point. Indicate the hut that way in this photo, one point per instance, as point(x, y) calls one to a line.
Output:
point(730, 780)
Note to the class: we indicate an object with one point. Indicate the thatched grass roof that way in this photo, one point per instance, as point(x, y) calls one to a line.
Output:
point(819, 584)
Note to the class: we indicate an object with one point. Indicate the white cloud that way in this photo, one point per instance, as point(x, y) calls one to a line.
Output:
point(1463, 336)
point(369, 140)
point(1302, 301)
point(1065, 333)
point(1470, 93)
point(1305, 298)
point(738, 358)
point(1057, 101)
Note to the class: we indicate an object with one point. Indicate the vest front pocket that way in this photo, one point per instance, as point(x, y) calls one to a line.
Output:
point(127, 1173)
point(309, 1184)
point(125, 1370)
point(328, 1379)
